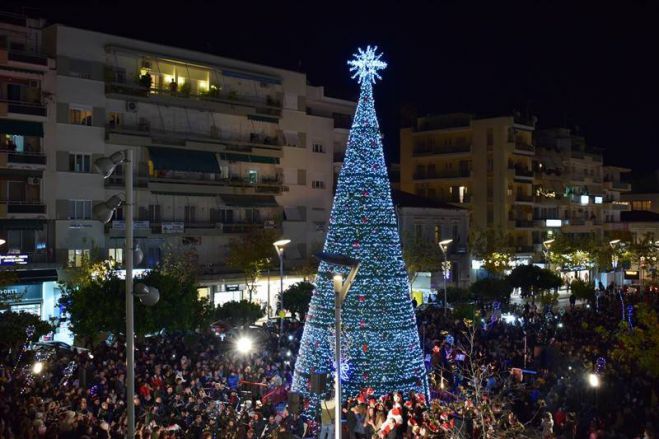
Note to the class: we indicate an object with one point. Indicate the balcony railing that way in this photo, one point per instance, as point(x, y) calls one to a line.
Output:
point(24, 107)
point(522, 223)
point(421, 150)
point(270, 105)
point(462, 173)
point(27, 57)
point(521, 146)
point(26, 158)
point(524, 198)
point(219, 227)
point(241, 142)
point(28, 207)
point(262, 184)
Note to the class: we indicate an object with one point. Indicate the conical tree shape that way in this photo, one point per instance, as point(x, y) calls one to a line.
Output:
point(380, 341)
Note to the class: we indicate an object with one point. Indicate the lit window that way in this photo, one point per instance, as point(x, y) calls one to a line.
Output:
point(117, 255)
point(318, 184)
point(77, 256)
point(80, 115)
point(80, 209)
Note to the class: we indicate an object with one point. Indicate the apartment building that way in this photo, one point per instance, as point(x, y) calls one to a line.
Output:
point(222, 147)
point(574, 192)
point(483, 164)
point(27, 236)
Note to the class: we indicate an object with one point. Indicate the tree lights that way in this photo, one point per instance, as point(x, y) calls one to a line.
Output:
point(380, 345)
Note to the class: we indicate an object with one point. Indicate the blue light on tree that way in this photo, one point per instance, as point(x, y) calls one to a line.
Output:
point(384, 351)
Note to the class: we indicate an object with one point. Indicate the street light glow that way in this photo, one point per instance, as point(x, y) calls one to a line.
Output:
point(37, 368)
point(281, 243)
point(444, 244)
point(593, 380)
point(244, 345)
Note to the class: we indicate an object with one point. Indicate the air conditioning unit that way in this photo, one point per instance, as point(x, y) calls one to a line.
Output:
point(131, 106)
point(36, 181)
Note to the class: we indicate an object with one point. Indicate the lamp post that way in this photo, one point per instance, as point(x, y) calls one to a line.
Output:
point(443, 245)
point(614, 263)
point(341, 289)
point(267, 310)
point(147, 295)
point(547, 245)
point(279, 247)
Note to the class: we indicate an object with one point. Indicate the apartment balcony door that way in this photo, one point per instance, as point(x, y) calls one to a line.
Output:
point(16, 191)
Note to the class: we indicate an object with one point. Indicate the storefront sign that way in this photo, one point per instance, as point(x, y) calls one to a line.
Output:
point(172, 228)
point(553, 223)
point(22, 293)
point(232, 287)
point(121, 225)
point(13, 259)
point(631, 274)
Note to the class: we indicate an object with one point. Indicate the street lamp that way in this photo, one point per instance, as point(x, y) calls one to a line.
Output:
point(443, 245)
point(341, 289)
point(147, 295)
point(614, 263)
point(547, 245)
point(279, 247)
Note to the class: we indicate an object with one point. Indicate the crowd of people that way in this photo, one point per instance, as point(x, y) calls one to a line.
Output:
point(497, 377)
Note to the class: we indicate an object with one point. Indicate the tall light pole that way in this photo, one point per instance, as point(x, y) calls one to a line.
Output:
point(279, 247)
point(443, 245)
point(267, 310)
point(341, 289)
point(614, 263)
point(148, 295)
point(547, 246)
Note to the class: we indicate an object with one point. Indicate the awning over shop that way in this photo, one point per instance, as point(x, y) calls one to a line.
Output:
point(172, 159)
point(36, 276)
point(234, 157)
point(21, 127)
point(249, 200)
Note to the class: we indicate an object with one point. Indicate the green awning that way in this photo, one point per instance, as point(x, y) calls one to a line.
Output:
point(234, 157)
point(249, 200)
point(21, 127)
point(172, 159)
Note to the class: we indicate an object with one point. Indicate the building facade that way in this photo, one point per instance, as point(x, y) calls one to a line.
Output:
point(428, 220)
point(222, 148)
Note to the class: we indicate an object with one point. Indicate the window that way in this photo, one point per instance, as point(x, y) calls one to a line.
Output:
point(80, 115)
point(154, 213)
point(79, 162)
point(490, 137)
point(115, 119)
point(252, 176)
point(189, 213)
point(490, 214)
point(116, 254)
point(318, 147)
point(76, 257)
point(80, 209)
point(418, 232)
point(317, 184)
point(642, 205)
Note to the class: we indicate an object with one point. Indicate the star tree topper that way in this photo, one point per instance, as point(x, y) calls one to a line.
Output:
point(365, 65)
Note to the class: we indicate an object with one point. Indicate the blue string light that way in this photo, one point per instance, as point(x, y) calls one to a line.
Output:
point(378, 318)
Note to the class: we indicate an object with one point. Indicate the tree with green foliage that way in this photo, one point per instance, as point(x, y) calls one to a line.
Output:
point(531, 279)
point(582, 290)
point(456, 294)
point(420, 256)
point(493, 246)
point(96, 303)
point(250, 254)
point(13, 326)
point(492, 289)
point(297, 298)
point(639, 347)
point(238, 313)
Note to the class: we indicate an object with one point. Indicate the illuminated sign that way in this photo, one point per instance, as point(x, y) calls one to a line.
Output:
point(232, 287)
point(598, 200)
point(553, 223)
point(13, 259)
point(173, 227)
point(584, 199)
point(631, 274)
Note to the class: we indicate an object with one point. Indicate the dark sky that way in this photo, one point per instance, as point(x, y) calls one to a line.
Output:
point(572, 63)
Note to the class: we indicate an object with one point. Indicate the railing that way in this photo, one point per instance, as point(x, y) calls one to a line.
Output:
point(145, 129)
point(523, 223)
point(35, 207)
point(272, 104)
point(463, 173)
point(24, 107)
point(27, 158)
point(166, 176)
point(28, 57)
point(522, 172)
point(620, 185)
point(523, 198)
point(235, 227)
point(577, 222)
point(420, 150)
point(520, 146)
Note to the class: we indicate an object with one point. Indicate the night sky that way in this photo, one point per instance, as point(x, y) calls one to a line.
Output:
point(594, 65)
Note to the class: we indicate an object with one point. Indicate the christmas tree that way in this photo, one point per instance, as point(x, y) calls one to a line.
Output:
point(379, 338)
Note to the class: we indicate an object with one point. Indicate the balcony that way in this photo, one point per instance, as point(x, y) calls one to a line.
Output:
point(169, 227)
point(261, 185)
point(524, 224)
point(27, 57)
point(21, 208)
point(617, 185)
point(425, 150)
point(524, 148)
point(620, 205)
point(182, 96)
point(461, 173)
point(238, 142)
point(522, 198)
point(24, 158)
point(24, 107)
